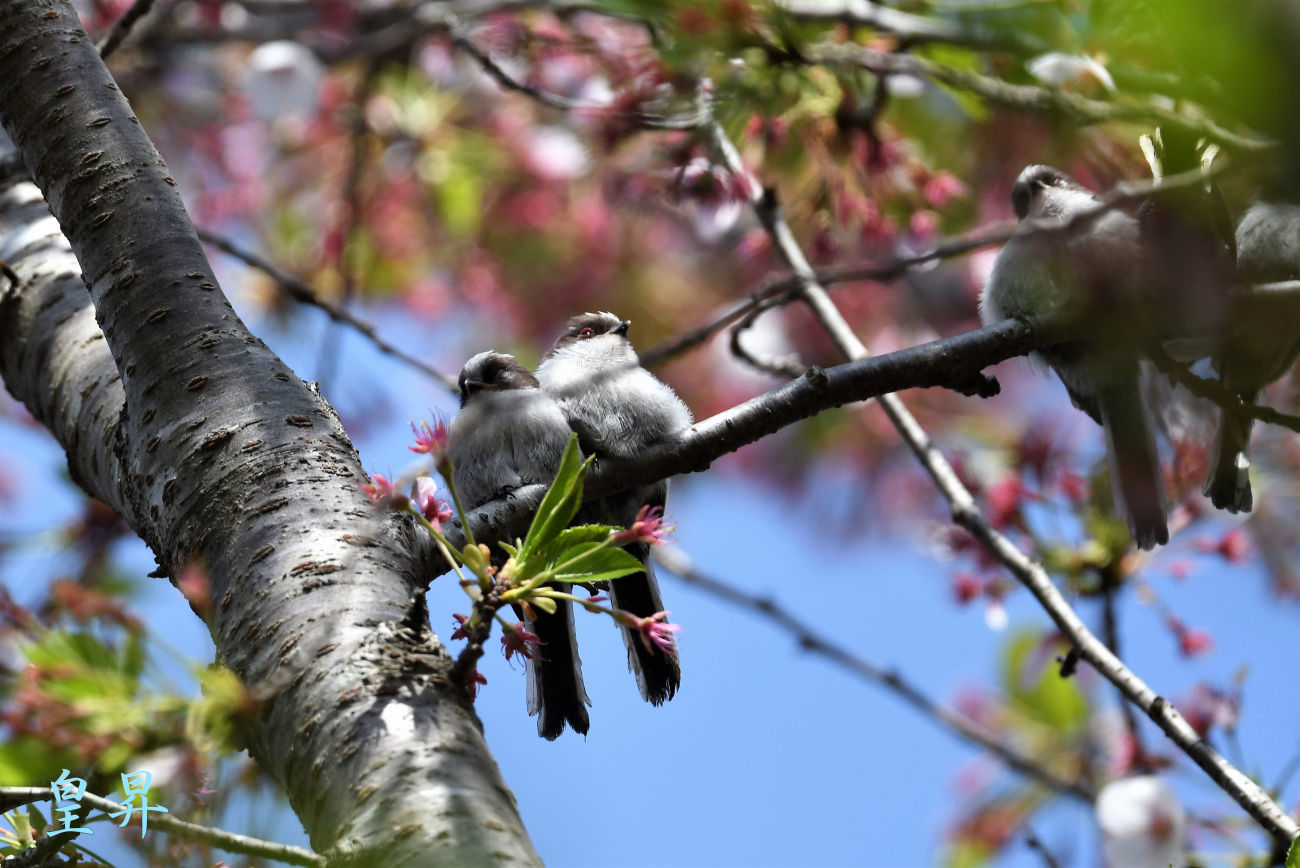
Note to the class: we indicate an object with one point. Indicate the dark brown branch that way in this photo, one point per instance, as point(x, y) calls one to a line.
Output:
point(352, 205)
point(301, 292)
point(1031, 98)
point(229, 841)
point(1281, 827)
point(679, 563)
point(1033, 843)
point(909, 28)
point(786, 289)
point(1213, 390)
point(122, 29)
point(552, 100)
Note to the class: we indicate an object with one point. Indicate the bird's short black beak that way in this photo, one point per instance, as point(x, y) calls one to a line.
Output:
point(622, 327)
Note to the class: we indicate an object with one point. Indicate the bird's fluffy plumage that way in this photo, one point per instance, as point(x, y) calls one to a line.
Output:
point(619, 409)
point(510, 433)
point(1091, 272)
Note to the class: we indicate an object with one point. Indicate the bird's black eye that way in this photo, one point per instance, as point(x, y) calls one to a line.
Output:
point(586, 332)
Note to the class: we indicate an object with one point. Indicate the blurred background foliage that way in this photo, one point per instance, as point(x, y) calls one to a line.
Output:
point(371, 151)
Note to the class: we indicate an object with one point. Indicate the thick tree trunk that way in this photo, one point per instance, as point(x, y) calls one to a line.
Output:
point(215, 452)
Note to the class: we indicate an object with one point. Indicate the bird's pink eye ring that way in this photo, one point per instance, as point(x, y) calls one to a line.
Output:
point(587, 332)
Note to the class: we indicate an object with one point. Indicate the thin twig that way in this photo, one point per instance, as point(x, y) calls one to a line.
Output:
point(785, 289)
point(680, 564)
point(1213, 390)
point(346, 263)
point(553, 100)
point(967, 514)
point(1110, 633)
point(299, 291)
point(1033, 843)
point(1028, 97)
point(912, 29)
point(229, 841)
point(122, 29)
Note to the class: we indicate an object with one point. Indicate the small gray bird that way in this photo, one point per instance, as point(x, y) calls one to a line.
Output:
point(509, 433)
point(619, 409)
point(1261, 344)
point(1092, 272)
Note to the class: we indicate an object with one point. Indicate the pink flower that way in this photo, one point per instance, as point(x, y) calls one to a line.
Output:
point(460, 632)
point(1193, 642)
point(472, 681)
point(966, 587)
point(1190, 642)
point(430, 441)
point(379, 489)
point(424, 496)
point(655, 631)
point(1209, 707)
point(1234, 547)
point(517, 639)
point(648, 527)
point(194, 585)
point(941, 188)
point(591, 602)
point(1073, 486)
point(924, 225)
point(1004, 500)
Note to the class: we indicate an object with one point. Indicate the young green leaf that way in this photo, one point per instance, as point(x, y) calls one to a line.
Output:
point(592, 562)
point(561, 502)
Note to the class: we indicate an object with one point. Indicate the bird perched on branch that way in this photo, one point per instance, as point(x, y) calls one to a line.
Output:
point(1261, 343)
point(619, 409)
point(508, 434)
point(1091, 270)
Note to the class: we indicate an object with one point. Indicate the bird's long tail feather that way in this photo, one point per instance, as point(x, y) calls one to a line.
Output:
point(658, 674)
point(1136, 478)
point(556, 693)
point(1228, 485)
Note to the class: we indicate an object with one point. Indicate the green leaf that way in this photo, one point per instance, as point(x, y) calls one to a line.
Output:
point(28, 761)
point(592, 562)
point(36, 818)
point(133, 655)
point(583, 533)
point(1032, 681)
point(561, 502)
point(546, 604)
point(1293, 854)
point(553, 553)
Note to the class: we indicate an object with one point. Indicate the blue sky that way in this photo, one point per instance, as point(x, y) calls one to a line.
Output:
point(768, 755)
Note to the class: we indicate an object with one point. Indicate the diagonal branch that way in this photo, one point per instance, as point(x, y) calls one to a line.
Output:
point(229, 841)
point(910, 29)
point(302, 293)
point(1028, 97)
point(967, 514)
point(194, 431)
point(679, 563)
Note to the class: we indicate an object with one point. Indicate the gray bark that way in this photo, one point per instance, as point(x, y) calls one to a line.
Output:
point(188, 426)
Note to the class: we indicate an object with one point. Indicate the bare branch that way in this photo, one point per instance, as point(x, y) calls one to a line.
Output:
point(1213, 390)
point(1030, 98)
point(229, 841)
point(1033, 843)
point(909, 28)
point(301, 292)
point(122, 29)
point(680, 564)
point(552, 100)
point(786, 289)
point(967, 514)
